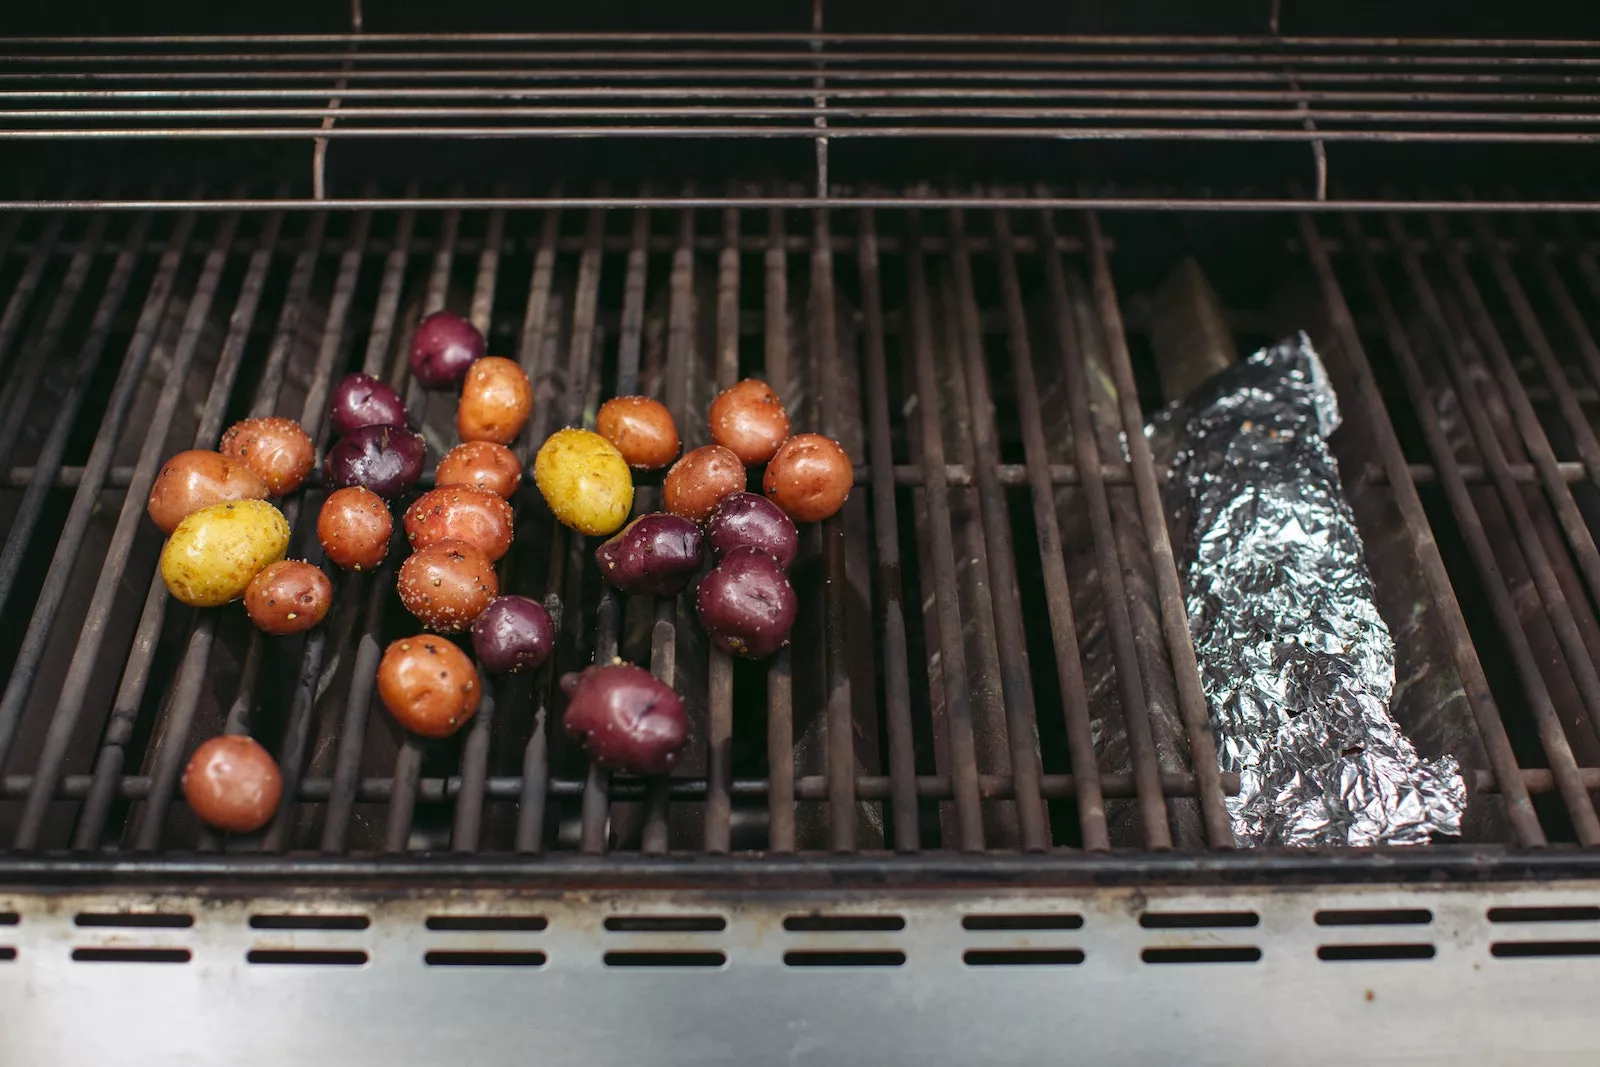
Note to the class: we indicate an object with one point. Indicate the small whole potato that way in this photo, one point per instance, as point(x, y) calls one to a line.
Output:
point(288, 597)
point(197, 479)
point(628, 719)
point(513, 633)
point(385, 459)
point(750, 520)
point(746, 604)
point(483, 465)
point(354, 528)
point(656, 554)
point(362, 400)
point(232, 783)
point(463, 512)
point(748, 420)
point(447, 585)
point(212, 555)
point(697, 483)
point(810, 477)
point(277, 449)
point(442, 349)
point(641, 428)
point(585, 481)
point(496, 400)
point(429, 685)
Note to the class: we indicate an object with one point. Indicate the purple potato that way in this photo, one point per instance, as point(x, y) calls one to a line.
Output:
point(750, 520)
point(362, 400)
point(513, 633)
point(444, 346)
point(657, 554)
point(746, 604)
point(628, 719)
point(385, 459)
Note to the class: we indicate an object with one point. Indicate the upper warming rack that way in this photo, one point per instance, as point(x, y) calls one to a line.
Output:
point(1297, 119)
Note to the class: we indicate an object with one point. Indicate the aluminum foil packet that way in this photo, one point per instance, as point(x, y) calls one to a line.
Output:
point(1296, 663)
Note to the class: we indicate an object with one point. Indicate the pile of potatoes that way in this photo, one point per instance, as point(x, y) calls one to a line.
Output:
point(227, 542)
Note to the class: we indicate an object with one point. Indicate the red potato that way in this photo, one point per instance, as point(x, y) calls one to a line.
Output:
point(447, 585)
point(656, 554)
point(463, 512)
point(277, 449)
point(385, 459)
point(482, 465)
point(628, 719)
point(746, 604)
point(697, 483)
point(750, 520)
point(442, 350)
point(748, 420)
point(362, 400)
point(496, 400)
point(197, 479)
point(232, 784)
point(513, 633)
point(429, 685)
point(641, 428)
point(288, 597)
point(354, 527)
point(810, 477)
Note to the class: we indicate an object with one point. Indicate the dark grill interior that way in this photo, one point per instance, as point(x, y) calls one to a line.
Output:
point(948, 253)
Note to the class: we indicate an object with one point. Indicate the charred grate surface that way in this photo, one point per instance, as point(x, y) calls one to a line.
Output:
point(992, 653)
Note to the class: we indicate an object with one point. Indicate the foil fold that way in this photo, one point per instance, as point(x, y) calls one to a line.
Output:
point(1295, 661)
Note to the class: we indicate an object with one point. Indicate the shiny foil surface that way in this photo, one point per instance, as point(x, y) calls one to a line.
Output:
point(1296, 663)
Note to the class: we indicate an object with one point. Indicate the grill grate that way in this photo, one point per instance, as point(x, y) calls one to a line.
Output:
point(957, 667)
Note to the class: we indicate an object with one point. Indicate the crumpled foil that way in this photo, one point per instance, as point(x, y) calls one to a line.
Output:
point(1295, 661)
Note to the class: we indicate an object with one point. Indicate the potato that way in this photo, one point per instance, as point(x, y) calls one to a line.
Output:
point(196, 479)
point(496, 399)
point(212, 555)
point(463, 512)
point(585, 481)
point(288, 597)
point(699, 481)
point(277, 449)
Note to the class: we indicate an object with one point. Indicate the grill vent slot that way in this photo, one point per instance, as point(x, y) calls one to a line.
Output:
point(313, 957)
point(1569, 914)
point(8, 918)
point(665, 959)
point(1339, 953)
point(488, 923)
point(309, 922)
point(1534, 949)
point(1198, 920)
point(1209, 954)
point(1022, 922)
point(824, 924)
point(1021, 957)
point(665, 924)
point(844, 958)
point(134, 920)
point(1375, 917)
point(130, 955)
point(7, 954)
point(449, 958)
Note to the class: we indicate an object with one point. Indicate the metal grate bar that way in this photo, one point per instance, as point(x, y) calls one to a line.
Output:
point(1063, 626)
point(719, 666)
point(886, 525)
point(961, 746)
point(780, 683)
point(1015, 686)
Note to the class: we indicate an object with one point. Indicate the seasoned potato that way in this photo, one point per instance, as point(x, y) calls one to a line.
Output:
point(197, 479)
point(277, 449)
point(212, 555)
point(585, 481)
point(496, 399)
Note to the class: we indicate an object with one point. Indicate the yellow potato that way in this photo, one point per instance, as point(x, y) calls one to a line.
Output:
point(214, 552)
point(585, 481)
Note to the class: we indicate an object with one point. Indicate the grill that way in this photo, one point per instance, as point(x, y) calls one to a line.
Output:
point(984, 771)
